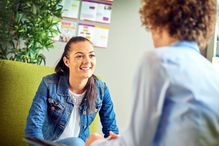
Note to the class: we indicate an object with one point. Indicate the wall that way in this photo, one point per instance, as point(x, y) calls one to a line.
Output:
point(117, 64)
point(212, 50)
point(127, 41)
point(217, 25)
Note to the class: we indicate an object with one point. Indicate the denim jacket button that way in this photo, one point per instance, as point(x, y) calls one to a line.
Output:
point(85, 126)
point(52, 108)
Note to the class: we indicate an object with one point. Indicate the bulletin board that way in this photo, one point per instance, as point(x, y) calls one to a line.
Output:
point(87, 18)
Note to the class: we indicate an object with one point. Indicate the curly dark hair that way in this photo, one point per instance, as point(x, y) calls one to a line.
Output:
point(192, 20)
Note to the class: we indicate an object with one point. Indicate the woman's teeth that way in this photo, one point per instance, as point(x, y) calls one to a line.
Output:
point(85, 68)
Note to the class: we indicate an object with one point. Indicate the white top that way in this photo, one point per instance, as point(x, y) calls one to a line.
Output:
point(176, 100)
point(72, 128)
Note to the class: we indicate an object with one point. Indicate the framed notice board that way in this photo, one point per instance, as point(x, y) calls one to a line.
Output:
point(87, 18)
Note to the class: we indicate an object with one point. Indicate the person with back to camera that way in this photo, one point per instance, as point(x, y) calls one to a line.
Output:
point(176, 89)
point(67, 101)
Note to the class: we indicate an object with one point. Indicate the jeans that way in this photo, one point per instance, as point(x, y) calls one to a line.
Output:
point(72, 141)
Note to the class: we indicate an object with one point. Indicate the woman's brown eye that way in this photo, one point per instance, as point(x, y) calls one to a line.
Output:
point(92, 56)
point(79, 56)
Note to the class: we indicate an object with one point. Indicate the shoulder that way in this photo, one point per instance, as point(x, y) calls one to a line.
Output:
point(164, 56)
point(156, 62)
point(102, 88)
point(51, 78)
point(100, 83)
point(158, 54)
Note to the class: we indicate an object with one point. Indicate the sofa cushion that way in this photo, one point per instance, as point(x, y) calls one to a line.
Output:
point(18, 84)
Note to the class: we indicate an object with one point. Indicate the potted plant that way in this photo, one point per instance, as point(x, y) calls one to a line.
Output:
point(27, 27)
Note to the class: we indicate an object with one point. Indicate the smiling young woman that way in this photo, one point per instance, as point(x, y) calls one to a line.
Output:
point(67, 101)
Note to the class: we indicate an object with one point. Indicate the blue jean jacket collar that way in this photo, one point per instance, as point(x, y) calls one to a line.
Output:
point(63, 87)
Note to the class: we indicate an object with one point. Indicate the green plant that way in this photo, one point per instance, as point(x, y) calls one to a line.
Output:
point(27, 27)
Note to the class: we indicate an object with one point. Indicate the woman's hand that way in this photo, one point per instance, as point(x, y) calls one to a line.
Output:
point(112, 136)
point(92, 138)
point(96, 136)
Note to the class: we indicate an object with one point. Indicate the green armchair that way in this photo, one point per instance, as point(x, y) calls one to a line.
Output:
point(18, 84)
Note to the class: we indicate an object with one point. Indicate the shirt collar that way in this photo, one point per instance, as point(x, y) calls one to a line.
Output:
point(188, 44)
point(77, 98)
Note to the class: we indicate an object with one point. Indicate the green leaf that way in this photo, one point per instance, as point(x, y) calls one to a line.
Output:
point(27, 27)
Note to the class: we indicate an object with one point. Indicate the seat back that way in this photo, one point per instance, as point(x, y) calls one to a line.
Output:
point(18, 84)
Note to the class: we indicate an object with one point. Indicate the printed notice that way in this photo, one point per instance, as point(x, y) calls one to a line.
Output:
point(96, 11)
point(101, 36)
point(98, 35)
point(87, 31)
point(103, 13)
point(71, 8)
point(67, 30)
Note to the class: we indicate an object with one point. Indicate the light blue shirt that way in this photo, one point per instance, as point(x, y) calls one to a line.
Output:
point(176, 100)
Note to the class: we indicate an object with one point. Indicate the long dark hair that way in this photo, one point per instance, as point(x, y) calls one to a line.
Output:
point(61, 68)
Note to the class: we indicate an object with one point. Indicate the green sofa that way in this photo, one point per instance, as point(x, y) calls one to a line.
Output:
point(18, 84)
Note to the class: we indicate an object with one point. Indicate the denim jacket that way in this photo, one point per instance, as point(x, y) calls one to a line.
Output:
point(52, 107)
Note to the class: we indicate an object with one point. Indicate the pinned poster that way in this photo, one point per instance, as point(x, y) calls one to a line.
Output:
point(101, 36)
point(96, 34)
point(71, 8)
point(67, 30)
point(87, 31)
point(96, 11)
point(103, 14)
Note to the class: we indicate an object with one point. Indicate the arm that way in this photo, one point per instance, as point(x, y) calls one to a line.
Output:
point(150, 87)
point(107, 114)
point(151, 84)
point(96, 136)
point(92, 138)
point(37, 113)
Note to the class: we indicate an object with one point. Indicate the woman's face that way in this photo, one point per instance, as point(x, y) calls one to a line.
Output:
point(81, 60)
